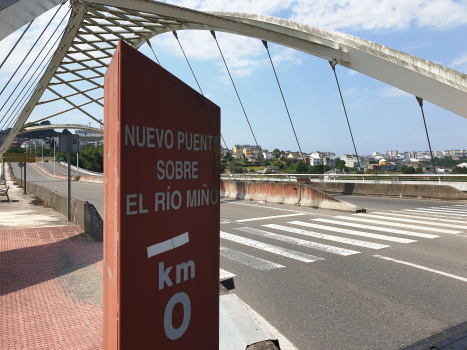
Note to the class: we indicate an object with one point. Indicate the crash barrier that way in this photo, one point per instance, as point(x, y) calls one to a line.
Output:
point(87, 178)
point(438, 192)
point(83, 214)
point(81, 170)
point(295, 193)
point(458, 181)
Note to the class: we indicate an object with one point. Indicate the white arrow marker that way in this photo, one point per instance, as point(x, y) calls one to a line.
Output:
point(168, 245)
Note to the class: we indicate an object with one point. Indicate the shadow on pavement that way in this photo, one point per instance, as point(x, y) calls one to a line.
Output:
point(428, 342)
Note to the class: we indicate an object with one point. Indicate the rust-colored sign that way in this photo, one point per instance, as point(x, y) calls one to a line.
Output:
point(161, 197)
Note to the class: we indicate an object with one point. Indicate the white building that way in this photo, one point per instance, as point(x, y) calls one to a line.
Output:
point(327, 158)
point(267, 155)
point(352, 161)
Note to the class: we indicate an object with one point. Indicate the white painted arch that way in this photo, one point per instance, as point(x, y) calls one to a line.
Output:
point(437, 84)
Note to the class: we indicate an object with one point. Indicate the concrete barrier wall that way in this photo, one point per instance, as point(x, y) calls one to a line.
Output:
point(439, 192)
point(83, 214)
point(287, 193)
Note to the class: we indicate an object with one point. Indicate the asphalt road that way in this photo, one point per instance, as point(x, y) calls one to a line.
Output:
point(92, 193)
point(392, 278)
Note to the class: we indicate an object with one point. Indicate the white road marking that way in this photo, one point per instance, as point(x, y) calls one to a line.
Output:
point(270, 248)
point(225, 222)
point(262, 206)
point(361, 217)
point(327, 237)
point(453, 210)
point(249, 260)
point(451, 207)
point(426, 211)
point(426, 222)
point(298, 241)
point(168, 245)
point(376, 228)
point(423, 268)
point(225, 275)
point(271, 217)
point(422, 217)
point(353, 232)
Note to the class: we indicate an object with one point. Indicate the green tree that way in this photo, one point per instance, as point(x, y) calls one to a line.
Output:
point(459, 170)
point(408, 170)
point(235, 168)
point(276, 152)
point(419, 170)
point(228, 156)
point(302, 168)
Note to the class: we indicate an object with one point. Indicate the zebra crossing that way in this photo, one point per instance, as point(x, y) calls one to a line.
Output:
point(343, 235)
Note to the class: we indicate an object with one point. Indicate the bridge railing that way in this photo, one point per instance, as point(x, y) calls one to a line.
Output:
point(458, 181)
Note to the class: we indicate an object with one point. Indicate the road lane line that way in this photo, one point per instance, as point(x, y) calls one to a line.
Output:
point(426, 218)
point(270, 248)
point(432, 212)
point(360, 218)
point(383, 216)
point(262, 206)
point(271, 217)
point(452, 210)
point(225, 275)
point(298, 241)
point(450, 207)
point(352, 232)
point(377, 228)
point(249, 260)
point(423, 268)
point(327, 237)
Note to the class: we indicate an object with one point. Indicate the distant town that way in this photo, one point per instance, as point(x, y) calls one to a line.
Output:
point(248, 158)
point(255, 159)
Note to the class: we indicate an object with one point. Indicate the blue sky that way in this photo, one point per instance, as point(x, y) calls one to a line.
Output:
point(382, 117)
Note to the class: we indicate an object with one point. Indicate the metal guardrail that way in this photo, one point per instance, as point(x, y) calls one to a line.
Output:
point(458, 181)
point(81, 170)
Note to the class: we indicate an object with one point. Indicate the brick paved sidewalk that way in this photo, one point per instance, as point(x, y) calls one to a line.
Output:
point(50, 289)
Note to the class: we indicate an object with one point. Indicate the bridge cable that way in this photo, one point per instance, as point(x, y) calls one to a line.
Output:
point(265, 43)
point(14, 120)
point(30, 94)
point(189, 65)
point(420, 102)
point(333, 64)
point(17, 42)
point(31, 49)
point(149, 44)
point(192, 72)
point(31, 67)
point(241, 104)
point(27, 83)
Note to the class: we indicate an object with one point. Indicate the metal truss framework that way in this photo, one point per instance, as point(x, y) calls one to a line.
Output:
point(95, 28)
point(62, 126)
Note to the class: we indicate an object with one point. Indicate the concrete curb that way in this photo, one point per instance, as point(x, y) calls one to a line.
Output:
point(238, 330)
point(284, 192)
point(437, 192)
point(91, 179)
point(83, 214)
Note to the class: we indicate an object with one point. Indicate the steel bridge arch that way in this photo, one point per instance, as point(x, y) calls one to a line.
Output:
point(61, 126)
point(135, 21)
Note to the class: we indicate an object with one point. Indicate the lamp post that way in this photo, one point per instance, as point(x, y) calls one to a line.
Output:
point(54, 156)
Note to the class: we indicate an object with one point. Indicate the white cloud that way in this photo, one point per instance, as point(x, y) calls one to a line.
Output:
point(460, 61)
point(352, 73)
point(381, 14)
point(390, 91)
point(243, 55)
